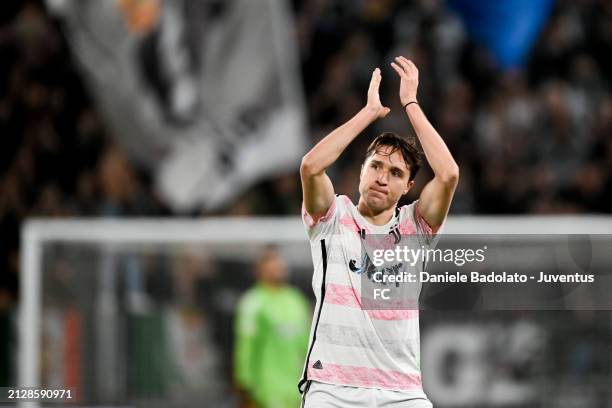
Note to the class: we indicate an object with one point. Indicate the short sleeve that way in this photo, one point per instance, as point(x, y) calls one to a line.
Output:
point(245, 340)
point(324, 225)
point(431, 235)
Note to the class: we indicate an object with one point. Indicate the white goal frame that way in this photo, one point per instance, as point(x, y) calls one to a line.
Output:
point(36, 232)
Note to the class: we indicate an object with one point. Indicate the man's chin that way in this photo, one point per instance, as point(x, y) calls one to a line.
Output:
point(377, 205)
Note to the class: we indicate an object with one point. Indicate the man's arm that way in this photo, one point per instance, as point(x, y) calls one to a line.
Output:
point(317, 188)
point(437, 195)
point(245, 353)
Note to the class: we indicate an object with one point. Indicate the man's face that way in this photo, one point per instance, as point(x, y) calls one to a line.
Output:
point(384, 179)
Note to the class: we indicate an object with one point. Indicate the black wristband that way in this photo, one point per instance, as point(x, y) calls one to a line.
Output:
point(409, 103)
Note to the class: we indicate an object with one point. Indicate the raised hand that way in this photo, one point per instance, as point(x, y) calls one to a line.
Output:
point(374, 103)
point(409, 79)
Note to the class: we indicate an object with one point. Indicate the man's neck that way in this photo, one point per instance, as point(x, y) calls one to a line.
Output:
point(273, 286)
point(381, 218)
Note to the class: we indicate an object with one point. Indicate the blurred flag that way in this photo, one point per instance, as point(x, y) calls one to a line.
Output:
point(508, 28)
point(205, 92)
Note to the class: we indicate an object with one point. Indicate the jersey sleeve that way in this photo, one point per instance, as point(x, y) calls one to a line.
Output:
point(430, 235)
point(324, 225)
point(245, 330)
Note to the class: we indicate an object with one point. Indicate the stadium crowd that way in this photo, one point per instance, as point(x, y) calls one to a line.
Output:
point(529, 140)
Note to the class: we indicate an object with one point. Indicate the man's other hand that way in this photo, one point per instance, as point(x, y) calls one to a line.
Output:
point(409, 79)
point(374, 104)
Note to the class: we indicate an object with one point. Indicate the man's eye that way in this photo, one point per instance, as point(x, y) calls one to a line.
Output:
point(396, 173)
point(374, 165)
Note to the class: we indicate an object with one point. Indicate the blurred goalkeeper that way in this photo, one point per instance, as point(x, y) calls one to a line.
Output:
point(271, 337)
point(357, 357)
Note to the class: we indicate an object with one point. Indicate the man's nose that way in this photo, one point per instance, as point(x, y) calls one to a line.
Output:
point(382, 178)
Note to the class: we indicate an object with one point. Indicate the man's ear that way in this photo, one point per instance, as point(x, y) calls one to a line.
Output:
point(409, 185)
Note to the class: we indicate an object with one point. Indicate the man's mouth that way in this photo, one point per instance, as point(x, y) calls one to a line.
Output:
point(376, 190)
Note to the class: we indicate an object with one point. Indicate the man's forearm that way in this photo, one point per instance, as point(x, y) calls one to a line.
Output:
point(327, 151)
point(436, 151)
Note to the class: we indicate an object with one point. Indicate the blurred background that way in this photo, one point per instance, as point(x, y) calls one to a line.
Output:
point(201, 108)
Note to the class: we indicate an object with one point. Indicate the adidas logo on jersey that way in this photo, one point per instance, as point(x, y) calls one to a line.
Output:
point(318, 365)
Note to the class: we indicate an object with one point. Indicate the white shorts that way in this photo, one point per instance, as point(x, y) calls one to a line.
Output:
point(321, 395)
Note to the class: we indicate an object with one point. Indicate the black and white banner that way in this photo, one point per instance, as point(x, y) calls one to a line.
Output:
point(206, 92)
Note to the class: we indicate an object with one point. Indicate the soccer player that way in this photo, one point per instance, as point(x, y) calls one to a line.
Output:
point(271, 337)
point(357, 357)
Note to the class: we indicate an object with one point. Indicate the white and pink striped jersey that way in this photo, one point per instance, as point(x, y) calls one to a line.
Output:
point(349, 345)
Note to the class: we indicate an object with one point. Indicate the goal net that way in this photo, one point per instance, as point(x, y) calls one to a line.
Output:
point(140, 312)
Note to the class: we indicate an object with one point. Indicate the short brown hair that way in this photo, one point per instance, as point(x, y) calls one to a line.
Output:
point(407, 147)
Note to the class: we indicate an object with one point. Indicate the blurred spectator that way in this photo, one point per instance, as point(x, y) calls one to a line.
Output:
point(271, 337)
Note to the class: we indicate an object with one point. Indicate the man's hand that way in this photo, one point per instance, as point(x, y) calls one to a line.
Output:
point(409, 79)
point(374, 104)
